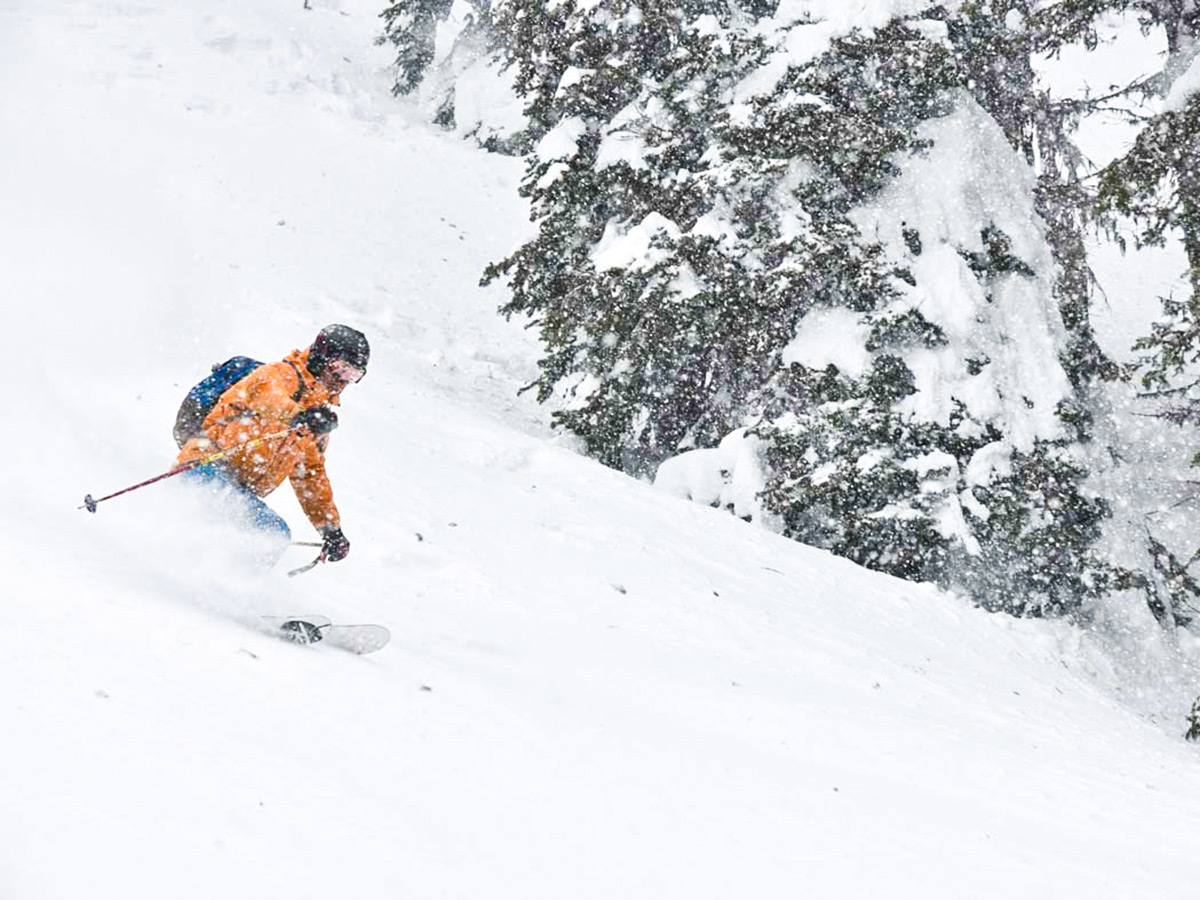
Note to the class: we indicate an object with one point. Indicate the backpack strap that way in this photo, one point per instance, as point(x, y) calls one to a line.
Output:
point(299, 378)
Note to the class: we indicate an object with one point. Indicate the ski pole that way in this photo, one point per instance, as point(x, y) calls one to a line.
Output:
point(312, 565)
point(90, 504)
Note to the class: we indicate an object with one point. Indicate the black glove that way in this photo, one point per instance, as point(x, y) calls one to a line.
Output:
point(319, 420)
point(335, 546)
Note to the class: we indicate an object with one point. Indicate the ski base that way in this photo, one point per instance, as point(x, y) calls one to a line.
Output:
point(360, 639)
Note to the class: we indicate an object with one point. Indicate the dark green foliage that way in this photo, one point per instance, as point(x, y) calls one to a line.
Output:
point(1193, 721)
point(899, 329)
point(995, 43)
point(1053, 26)
point(1036, 556)
point(842, 473)
point(852, 474)
point(1157, 185)
point(720, 224)
point(671, 366)
point(1172, 350)
point(982, 34)
point(997, 257)
point(1173, 590)
point(1140, 184)
point(848, 113)
point(411, 26)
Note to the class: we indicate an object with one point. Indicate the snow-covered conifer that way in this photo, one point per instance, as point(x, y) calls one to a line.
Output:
point(788, 223)
point(938, 444)
point(654, 330)
point(766, 220)
point(411, 26)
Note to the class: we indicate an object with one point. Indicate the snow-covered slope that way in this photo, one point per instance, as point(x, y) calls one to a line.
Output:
point(595, 690)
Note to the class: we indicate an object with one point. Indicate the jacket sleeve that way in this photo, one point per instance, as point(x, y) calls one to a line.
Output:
point(312, 487)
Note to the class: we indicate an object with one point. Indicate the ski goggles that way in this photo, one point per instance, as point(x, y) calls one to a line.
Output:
point(345, 372)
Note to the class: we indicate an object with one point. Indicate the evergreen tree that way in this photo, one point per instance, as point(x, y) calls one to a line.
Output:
point(1193, 722)
point(982, 492)
point(659, 343)
point(995, 43)
point(1157, 183)
point(469, 89)
point(699, 194)
point(1156, 186)
point(411, 27)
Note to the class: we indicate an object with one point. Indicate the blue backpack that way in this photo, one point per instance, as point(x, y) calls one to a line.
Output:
point(203, 397)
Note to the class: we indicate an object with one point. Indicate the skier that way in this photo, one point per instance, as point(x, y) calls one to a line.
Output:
point(291, 399)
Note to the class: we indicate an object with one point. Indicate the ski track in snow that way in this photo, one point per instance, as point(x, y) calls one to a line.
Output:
point(594, 690)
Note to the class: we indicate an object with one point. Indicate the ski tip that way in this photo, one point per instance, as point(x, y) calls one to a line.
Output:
point(358, 639)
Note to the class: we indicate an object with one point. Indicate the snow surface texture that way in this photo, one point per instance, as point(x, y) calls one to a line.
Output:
point(594, 690)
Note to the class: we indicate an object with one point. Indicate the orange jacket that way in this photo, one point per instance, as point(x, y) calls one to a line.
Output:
point(261, 404)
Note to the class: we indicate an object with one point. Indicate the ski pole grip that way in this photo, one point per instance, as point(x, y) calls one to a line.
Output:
point(89, 504)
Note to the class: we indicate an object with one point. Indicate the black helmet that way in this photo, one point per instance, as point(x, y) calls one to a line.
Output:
point(338, 342)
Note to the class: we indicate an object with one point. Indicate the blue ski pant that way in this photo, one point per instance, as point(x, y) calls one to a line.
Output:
point(250, 507)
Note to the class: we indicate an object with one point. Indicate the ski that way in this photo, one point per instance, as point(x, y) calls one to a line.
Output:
point(360, 639)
